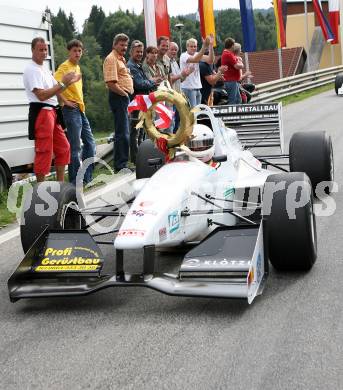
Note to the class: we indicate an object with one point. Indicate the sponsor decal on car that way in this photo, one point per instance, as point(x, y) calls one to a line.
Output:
point(162, 233)
point(251, 276)
point(141, 213)
point(228, 192)
point(259, 273)
point(174, 221)
point(256, 271)
point(146, 203)
point(68, 259)
point(214, 263)
point(246, 108)
point(131, 233)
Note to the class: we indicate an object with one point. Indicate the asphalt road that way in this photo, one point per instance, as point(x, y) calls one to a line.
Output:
point(289, 338)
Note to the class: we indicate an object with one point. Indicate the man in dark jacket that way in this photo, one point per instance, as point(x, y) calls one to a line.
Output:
point(142, 86)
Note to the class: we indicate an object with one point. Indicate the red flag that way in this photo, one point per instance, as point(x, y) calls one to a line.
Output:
point(140, 102)
point(144, 102)
point(166, 116)
point(280, 11)
point(324, 24)
point(156, 20)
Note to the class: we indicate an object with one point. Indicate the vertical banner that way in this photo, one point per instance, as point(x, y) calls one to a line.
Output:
point(280, 11)
point(207, 25)
point(162, 18)
point(156, 20)
point(248, 25)
point(334, 19)
point(324, 24)
point(149, 19)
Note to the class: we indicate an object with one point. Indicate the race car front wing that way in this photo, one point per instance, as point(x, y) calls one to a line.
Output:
point(230, 263)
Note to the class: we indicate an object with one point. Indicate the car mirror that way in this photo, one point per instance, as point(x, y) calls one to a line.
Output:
point(155, 162)
point(220, 158)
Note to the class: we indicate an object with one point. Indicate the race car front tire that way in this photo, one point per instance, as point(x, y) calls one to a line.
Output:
point(338, 82)
point(50, 203)
point(146, 151)
point(312, 153)
point(291, 230)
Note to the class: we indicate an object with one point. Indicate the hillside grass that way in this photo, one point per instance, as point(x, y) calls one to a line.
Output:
point(297, 97)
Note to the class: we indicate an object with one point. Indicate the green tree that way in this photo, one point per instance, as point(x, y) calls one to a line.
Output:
point(72, 24)
point(191, 29)
point(60, 50)
point(97, 108)
point(94, 23)
point(120, 22)
point(94, 88)
point(61, 25)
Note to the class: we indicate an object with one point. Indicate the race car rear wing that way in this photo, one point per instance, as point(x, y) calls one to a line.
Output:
point(257, 125)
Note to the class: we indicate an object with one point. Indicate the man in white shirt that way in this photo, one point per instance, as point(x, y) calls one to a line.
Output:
point(45, 117)
point(176, 77)
point(191, 86)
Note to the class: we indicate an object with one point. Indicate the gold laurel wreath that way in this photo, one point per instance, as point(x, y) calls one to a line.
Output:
point(187, 118)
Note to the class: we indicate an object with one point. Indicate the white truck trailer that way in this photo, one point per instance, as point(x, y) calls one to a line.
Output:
point(17, 29)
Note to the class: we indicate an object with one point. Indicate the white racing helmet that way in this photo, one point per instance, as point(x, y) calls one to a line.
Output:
point(202, 143)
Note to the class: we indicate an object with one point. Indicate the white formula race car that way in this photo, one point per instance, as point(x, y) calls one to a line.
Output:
point(230, 215)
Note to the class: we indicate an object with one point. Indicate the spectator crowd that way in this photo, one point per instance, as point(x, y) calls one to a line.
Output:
point(56, 102)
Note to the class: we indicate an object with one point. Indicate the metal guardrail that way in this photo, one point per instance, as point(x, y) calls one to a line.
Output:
point(273, 90)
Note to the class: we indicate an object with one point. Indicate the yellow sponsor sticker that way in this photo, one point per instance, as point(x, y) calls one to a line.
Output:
point(64, 268)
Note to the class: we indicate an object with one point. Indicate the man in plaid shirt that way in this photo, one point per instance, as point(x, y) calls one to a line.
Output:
point(120, 87)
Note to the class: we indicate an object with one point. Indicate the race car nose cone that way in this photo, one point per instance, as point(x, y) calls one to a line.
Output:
point(131, 239)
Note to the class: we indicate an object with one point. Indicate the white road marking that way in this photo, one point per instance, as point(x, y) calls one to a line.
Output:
point(9, 235)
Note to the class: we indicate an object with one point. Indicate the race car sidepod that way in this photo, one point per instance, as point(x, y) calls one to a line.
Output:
point(230, 263)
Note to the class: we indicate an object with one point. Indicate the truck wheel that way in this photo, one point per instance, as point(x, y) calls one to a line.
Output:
point(338, 82)
point(312, 153)
point(292, 243)
point(147, 150)
point(53, 204)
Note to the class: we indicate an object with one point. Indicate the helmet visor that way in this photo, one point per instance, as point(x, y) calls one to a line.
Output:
point(201, 144)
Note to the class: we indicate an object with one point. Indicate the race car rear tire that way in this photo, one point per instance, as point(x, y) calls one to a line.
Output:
point(312, 153)
point(53, 204)
point(338, 82)
point(146, 151)
point(292, 243)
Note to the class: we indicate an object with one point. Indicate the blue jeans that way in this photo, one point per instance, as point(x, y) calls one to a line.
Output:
point(232, 89)
point(194, 96)
point(78, 129)
point(118, 106)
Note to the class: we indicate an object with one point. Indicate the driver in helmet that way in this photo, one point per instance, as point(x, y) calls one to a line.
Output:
point(202, 144)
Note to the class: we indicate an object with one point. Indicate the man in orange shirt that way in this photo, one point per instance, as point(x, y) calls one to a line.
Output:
point(120, 86)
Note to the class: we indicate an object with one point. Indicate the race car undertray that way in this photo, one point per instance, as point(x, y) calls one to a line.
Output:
point(230, 263)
